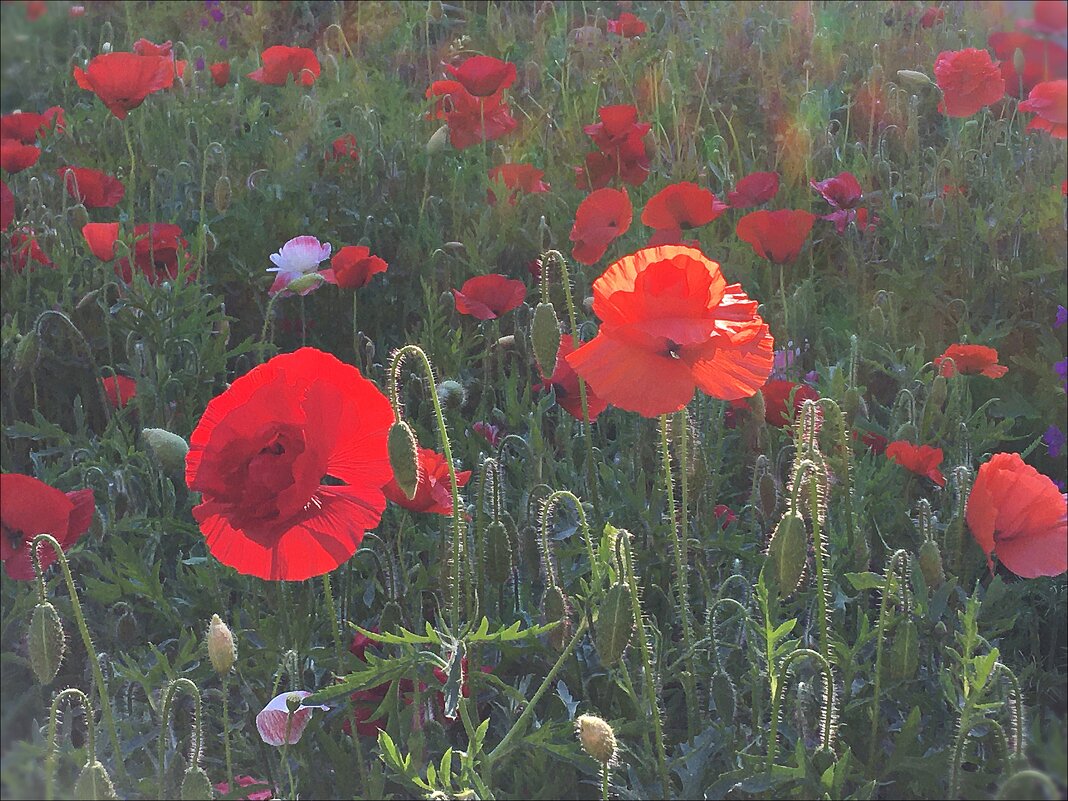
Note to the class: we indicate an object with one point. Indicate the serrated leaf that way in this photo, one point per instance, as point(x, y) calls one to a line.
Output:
point(405, 637)
point(376, 671)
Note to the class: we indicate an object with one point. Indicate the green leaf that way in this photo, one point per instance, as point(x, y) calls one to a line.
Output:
point(405, 637)
point(865, 581)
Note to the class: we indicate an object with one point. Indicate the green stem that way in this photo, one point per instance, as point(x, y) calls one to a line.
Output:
point(332, 612)
point(782, 295)
point(546, 515)
point(98, 675)
point(880, 633)
point(267, 324)
point(827, 712)
point(131, 189)
point(604, 781)
point(226, 728)
point(165, 719)
point(681, 582)
point(821, 578)
point(53, 723)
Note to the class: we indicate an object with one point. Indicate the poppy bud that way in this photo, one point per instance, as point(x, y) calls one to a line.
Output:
point(435, 10)
point(768, 495)
point(438, 141)
point(931, 564)
point(79, 217)
point(169, 448)
point(126, 628)
point(1019, 61)
point(723, 693)
point(545, 337)
point(914, 78)
point(939, 391)
point(403, 449)
point(851, 404)
point(46, 642)
point(904, 656)
point(221, 649)
point(497, 556)
point(597, 738)
point(196, 786)
point(305, 283)
point(615, 622)
point(390, 620)
point(506, 342)
point(451, 394)
point(556, 607)
point(787, 552)
point(94, 782)
point(223, 193)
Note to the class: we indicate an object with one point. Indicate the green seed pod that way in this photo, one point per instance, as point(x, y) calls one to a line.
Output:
point(555, 607)
point(768, 495)
point(597, 738)
point(46, 642)
point(94, 783)
point(545, 337)
point(787, 552)
point(196, 786)
point(403, 450)
point(615, 624)
point(497, 554)
point(914, 78)
point(223, 193)
point(169, 448)
point(907, 432)
point(724, 695)
point(931, 564)
point(903, 657)
point(390, 620)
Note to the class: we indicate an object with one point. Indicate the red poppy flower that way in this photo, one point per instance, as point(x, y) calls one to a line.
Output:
point(776, 235)
point(27, 127)
point(483, 76)
point(1049, 101)
point(621, 141)
point(15, 156)
point(932, 16)
point(670, 324)
point(7, 206)
point(487, 297)
point(565, 383)
point(491, 432)
point(1050, 16)
point(160, 252)
point(433, 493)
point(753, 190)
point(101, 239)
point(29, 507)
point(280, 62)
point(119, 389)
point(92, 188)
point(1043, 60)
point(1019, 514)
point(223, 788)
point(122, 81)
point(970, 360)
point(354, 266)
point(518, 178)
point(923, 460)
point(344, 147)
point(24, 249)
point(144, 47)
point(682, 206)
point(723, 513)
point(779, 411)
point(876, 443)
point(220, 73)
point(470, 119)
point(627, 25)
point(600, 219)
point(259, 454)
point(969, 80)
point(842, 191)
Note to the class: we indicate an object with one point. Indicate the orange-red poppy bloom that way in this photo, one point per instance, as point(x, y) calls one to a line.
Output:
point(483, 76)
point(600, 219)
point(122, 81)
point(470, 119)
point(487, 297)
point(525, 178)
point(27, 127)
point(7, 206)
point(280, 62)
point(353, 267)
point(670, 323)
point(260, 452)
point(776, 235)
point(753, 190)
point(783, 401)
point(220, 73)
point(29, 507)
point(119, 390)
point(92, 188)
point(24, 249)
point(1049, 102)
point(160, 252)
point(344, 148)
point(101, 239)
point(1019, 515)
point(969, 80)
point(433, 493)
point(682, 206)
point(627, 25)
point(16, 157)
point(620, 138)
point(565, 383)
point(923, 460)
point(970, 360)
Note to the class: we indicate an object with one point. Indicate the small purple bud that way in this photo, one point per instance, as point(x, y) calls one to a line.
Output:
point(1062, 317)
point(224, 42)
point(200, 63)
point(1055, 441)
point(204, 22)
point(216, 14)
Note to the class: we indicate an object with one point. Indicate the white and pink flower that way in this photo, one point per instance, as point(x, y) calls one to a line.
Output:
point(299, 257)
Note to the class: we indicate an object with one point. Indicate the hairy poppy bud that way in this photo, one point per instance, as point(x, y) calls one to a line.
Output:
point(221, 649)
point(545, 337)
point(196, 786)
point(222, 194)
point(46, 642)
point(403, 449)
point(497, 556)
point(907, 432)
point(914, 78)
point(451, 394)
point(305, 283)
point(768, 495)
point(939, 391)
point(787, 552)
point(26, 351)
point(93, 782)
point(556, 607)
point(169, 448)
point(931, 564)
point(597, 738)
point(615, 622)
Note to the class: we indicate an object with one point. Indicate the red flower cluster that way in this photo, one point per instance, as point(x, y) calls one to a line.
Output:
point(29, 507)
point(160, 250)
point(525, 178)
point(776, 235)
point(621, 150)
point(472, 106)
point(565, 383)
point(122, 81)
point(344, 148)
point(433, 493)
point(969, 80)
point(1043, 59)
point(487, 297)
point(600, 219)
point(92, 188)
point(679, 207)
point(280, 62)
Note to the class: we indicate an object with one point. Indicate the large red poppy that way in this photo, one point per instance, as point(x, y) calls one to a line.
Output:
point(7, 206)
point(753, 190)
point(776, 235)
point(1019, 514)
point(923, 460)
point(220, 73)
point(433, 493)
point(27, 126)
point(525, 178)
point(565, 383)
point(353, 266)
point(970, 360)
point(16, 157)
point(280, 62)
point(92, 188)
point(487, 297)
point(1043, 60)
point(670, 324)
point(969, 80)
point(29, 507)
point(122, 81)
point(259, 455)
point(600, 219)
point(842, 191)
point(682, 206)
point(483, 76)
point(1049, 102)
point(470, 119)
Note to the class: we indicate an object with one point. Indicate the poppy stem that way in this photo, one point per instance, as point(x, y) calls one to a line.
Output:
point(165, 719)
point(53, 725)
point(131, 190)
point(681, 584)
point(94, 661)
point(332, 612)
point(900, 556)
point(782, 294)
point(226, 728)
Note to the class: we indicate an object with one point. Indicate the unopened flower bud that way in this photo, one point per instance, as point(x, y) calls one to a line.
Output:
point(305, 284)
point(403, 450)
point(46, 642)
point(438, 141)
point(94, 782)
point(169, 448)
point(196, 786)
point(914, 78)
point(451, 394)
point(221, 648)
point(597, 738)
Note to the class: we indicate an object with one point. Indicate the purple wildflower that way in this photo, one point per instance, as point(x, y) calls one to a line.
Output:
point(1061, 369)
point(1062, 317)
point(1055, 441)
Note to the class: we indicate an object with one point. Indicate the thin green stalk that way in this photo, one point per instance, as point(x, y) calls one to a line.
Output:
point(165, 719)
point(879, 637)
point(94, 662)
point(332, 612)
point(226, 727)
point(782, 295)
point(821, 577)
point(604, 781)
point(546, 515)
point(53, 724)
point(131, 189)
